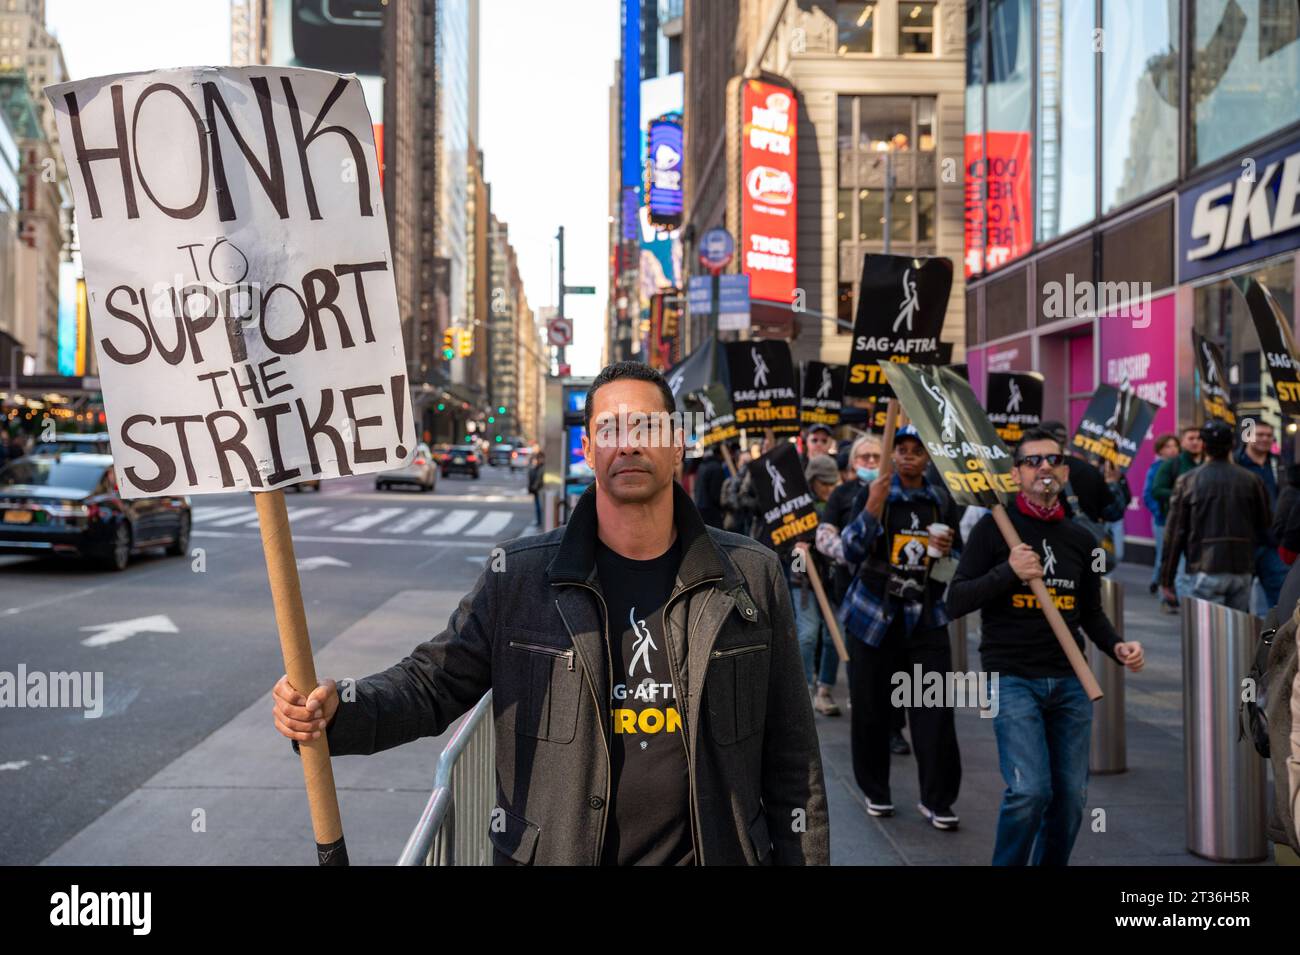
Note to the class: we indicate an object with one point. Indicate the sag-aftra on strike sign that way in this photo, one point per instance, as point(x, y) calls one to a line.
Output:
point(239, 276)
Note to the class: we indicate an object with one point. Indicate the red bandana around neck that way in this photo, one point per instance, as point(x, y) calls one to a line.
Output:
point(1050, 514)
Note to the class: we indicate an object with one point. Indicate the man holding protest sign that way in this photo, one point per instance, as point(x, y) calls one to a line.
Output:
point(245, 317)
point(1043, 716)
point(894, 611)
point(644, 671)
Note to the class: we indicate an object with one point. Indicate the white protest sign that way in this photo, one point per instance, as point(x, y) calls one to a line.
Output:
point(240, 282)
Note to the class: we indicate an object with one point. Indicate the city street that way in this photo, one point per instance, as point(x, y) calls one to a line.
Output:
point(194, 642)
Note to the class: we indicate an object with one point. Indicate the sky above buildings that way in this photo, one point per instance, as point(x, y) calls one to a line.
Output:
point(545, 71)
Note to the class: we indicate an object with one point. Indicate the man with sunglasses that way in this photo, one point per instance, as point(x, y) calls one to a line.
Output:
point(895, 619)
point(1042, 715)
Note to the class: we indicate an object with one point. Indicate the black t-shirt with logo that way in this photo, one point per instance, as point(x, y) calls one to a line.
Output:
point(1015, 637)
point(649, 820)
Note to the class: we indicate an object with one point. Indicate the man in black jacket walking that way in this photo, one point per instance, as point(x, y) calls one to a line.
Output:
point(1042, 716)
point(1218, 516)
point(647, 689)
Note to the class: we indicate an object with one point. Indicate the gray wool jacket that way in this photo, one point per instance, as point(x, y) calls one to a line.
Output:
point(534, 632)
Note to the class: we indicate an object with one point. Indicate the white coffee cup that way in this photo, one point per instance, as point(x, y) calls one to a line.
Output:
point(933, 530)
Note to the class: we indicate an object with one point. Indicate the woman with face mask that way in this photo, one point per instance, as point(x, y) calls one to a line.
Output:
point(864, 459)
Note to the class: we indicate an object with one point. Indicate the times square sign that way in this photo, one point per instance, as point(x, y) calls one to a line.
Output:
point(769, 210)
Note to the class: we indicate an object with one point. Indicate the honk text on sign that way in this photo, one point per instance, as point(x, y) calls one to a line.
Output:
point(240, 281)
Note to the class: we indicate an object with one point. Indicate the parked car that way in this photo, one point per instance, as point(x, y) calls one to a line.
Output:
point(76, 443)
point(499, 456)
point(69, 505)
point(521, 458)
point(422, 472)
point(462, 459)
point(311, 484)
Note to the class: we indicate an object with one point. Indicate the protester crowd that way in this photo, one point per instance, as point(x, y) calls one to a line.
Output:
point(899, 560)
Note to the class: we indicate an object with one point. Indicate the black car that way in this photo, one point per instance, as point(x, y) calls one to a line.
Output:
point(461, 459)
point(68, 504)
point(499, 455)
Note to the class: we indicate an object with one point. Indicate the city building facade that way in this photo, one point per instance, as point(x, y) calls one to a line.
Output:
point(1124, 164)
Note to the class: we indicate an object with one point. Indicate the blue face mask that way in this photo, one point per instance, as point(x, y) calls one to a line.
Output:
point(867, 475)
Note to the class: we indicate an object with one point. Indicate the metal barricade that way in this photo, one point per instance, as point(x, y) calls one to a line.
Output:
point(464, 786)
point(958, 631)
point(1108, 752)
point(550, 510)
point(1225, 776)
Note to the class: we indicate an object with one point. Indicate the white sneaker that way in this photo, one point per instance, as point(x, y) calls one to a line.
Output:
point(880, 808)
point(940, 819)
point(824, 703)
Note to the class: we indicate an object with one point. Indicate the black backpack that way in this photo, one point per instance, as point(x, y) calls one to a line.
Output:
point(1268, 718)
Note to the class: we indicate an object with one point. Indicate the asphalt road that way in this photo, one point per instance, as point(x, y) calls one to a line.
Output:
point(194, 640)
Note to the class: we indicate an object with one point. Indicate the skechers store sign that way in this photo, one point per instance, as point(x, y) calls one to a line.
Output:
point(1249, 212)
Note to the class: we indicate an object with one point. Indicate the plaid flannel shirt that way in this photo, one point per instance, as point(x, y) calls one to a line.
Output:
point(867, 615)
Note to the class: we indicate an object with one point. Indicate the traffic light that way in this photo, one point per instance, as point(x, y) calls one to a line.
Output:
point(465, 347)
point(449, 344)
point(501, 409)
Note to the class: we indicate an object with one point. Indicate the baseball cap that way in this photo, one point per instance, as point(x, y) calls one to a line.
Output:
point(908, 431)
point(822, 468)
point(820, 427)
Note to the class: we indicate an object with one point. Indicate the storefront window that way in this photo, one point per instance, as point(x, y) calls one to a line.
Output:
point(871, 214)
point(844, 215)
point(1003, 168)
point(915, 28)
point(1139, 107)
point(1245, 73)
point(1067, 117)
point(855, 21)
point(1222, 316)
point(884, 122)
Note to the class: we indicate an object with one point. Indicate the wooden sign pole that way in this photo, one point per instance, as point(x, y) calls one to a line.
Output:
point(828, 615)
point(726, 456)
point(1054, 618)
point(887, 443)
point(295, 646)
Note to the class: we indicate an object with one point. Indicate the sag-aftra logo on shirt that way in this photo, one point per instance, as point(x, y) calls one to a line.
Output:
point(654, 716)
point(1027, 601)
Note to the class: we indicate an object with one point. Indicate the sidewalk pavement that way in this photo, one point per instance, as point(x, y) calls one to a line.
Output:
point(1133, 818)
point(249, 786)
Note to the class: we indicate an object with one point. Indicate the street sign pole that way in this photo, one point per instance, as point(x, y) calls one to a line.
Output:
point(559, 352)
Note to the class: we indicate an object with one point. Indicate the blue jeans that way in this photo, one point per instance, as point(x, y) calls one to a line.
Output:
point(1044, 729)
point(1271, 571)
point(1158, 532)
point(1231, 590)
point(809, 625)
point(537, 507)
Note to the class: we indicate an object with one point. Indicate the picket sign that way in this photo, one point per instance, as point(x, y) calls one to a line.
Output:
point(240, 286)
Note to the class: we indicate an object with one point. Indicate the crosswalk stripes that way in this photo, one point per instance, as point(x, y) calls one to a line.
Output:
point(243, 516)
point(451, 524)
point(199, 515)
point(493, 523)
point(427, 521)
point(369, 519)
point(412, 522)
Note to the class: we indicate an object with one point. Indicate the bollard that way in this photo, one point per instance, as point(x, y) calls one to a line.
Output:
point(1225, 776)
point(550, 505)
point(1108, 753)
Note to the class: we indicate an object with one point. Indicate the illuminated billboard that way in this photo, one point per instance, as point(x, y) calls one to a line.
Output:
point(664, 171)
point(769, 207)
